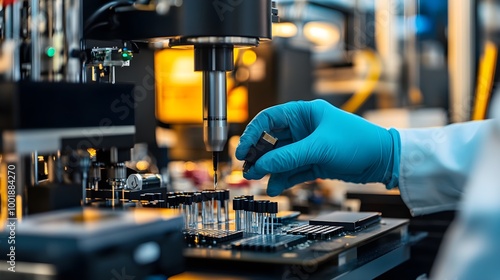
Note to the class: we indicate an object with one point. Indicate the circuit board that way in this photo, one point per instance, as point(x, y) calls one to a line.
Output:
point(297, 246)
point(294, 237)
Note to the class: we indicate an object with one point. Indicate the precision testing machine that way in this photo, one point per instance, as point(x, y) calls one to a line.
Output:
point(70, 205)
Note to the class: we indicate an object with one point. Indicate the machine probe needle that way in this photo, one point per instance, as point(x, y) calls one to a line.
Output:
point(215, 159)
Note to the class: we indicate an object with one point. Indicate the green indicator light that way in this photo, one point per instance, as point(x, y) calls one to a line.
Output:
point(51, 51)
point(127, 56)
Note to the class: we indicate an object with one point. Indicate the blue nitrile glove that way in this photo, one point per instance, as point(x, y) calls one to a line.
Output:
point(318, 140)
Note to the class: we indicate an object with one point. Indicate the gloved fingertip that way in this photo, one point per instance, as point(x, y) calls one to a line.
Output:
point(277, 184)
point(241, 152)
point(273, 192)
point(252, 175)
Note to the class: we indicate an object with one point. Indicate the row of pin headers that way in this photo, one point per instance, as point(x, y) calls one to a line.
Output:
point(210, 237)
point(189, 204)
point(153, 200)
point(254, 216)
point(317, 232)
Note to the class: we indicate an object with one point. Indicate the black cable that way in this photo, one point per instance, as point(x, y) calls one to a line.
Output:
point(95, 26)
point(108, 6)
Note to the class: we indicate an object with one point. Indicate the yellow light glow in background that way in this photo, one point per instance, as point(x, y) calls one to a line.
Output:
point(249, 57)
point(284, 29)
point(179, 89)
point(190, 166)
point(92, 152)
point(142, 165)
point(323, 35)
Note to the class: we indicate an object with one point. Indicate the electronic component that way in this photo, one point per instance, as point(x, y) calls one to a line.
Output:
point(152, 200)
point(104, 60)
point(313, 232)
point(272, 211)
point(351, 221)
point(255, 216)
point(238, 212)
point(210, 237)
point(207, 207)
point(265, 144)
point(143, 181)
point(268, 243)
point(222, 201)
point(188, 205)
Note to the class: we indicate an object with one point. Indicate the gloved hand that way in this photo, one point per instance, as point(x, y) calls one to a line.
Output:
point(318, 140)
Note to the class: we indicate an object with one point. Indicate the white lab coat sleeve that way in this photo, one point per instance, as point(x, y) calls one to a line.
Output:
point(471, 247)
point(435, 164)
